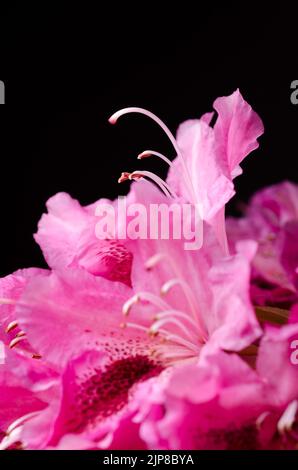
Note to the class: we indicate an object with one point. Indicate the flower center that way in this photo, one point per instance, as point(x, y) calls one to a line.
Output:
point(182, 333)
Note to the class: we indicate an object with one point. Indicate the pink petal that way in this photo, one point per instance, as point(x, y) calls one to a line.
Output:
point(275, 363)
point(236, 129)
point(72, 308)
point(211, 187)
point(213, 406)
point(271, 220)
point(67, 237)
point(96, 404)
point(11, 289)
point(233, 324)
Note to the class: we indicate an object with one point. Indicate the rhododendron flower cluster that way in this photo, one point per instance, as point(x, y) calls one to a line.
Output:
point(129, 343)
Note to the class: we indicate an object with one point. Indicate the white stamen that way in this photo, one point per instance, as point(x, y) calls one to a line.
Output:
point(176, 313)
point(149, 153)
point(143, 296)
point(164, 321)
point(11, 439)
point(187, 291)
point(13, 433)
point(173, 354)
point(139, 175)
point(154, 260)
point(6, 301)
point(153, 299)
point(287, 419)
point(178, 355)
point(129, 303)
point(18, 422)
point(179, 340)
point(165, 334)
point(185, 288)
point(260, 420)
point(159, 181)
point(113, 119)
point(136, 326)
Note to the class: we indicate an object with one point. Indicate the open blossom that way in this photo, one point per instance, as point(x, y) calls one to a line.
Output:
point(271, 219)
point(223, 403)
point(138, 343)
point(75, 321)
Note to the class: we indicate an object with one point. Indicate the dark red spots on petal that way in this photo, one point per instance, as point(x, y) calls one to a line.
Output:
point(245, 438)
point(105, 393)
point(116, 261)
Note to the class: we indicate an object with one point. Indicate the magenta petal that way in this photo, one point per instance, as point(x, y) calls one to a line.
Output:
point(211, 187)
point(276, 363)
point(236, 129)
point(213, 406)
point(67, 237)
point(271, 220)
point(70, 308)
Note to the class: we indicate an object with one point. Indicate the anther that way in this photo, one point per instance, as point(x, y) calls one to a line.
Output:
point(16, 341)
point(129, 304)
point(287, 420)
point(20, 334)
point(137, 175)
point(152, 333)
point(124, 177)
point(11, 326)
point(153, 261)
point(150, 153)
point(36, 356)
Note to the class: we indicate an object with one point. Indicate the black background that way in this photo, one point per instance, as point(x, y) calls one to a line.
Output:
point(68, 67)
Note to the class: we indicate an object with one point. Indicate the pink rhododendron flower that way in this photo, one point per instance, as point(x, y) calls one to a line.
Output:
point(75, 321)
point(131, 343)
point(272, 220)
